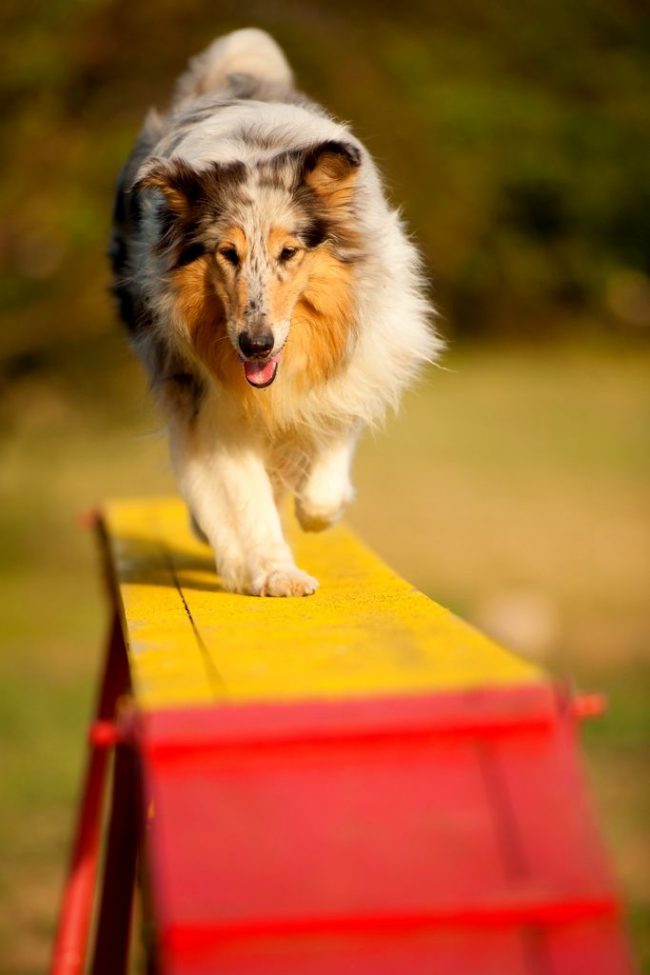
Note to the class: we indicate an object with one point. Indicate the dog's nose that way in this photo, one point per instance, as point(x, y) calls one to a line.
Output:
point(257, 345)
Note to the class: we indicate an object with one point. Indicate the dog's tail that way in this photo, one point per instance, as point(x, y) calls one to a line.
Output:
point(247, 63)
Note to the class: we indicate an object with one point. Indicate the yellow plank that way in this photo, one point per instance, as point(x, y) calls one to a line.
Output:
point(165, 657)
point(364, 632)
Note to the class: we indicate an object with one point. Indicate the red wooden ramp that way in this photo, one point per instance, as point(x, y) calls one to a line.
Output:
point(354, 784)
point(446, 834)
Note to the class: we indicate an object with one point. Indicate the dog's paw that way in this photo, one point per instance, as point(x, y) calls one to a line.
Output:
point(234, 579)
point(284, 581)
point(315, 516)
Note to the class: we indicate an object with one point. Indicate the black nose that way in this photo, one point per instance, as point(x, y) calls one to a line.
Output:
point(256, 346)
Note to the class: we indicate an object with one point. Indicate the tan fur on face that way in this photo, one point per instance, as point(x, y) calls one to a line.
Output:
point(284, 284)
point(202, 313)
point(322, 326)
point(288, 280)
point(318, 291)
point(320, 336)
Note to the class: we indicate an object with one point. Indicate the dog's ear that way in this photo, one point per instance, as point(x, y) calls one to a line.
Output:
point(184, 187)
point(177, 181)
point(330, 169)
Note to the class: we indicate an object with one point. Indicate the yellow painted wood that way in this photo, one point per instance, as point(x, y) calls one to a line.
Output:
point(366, 631)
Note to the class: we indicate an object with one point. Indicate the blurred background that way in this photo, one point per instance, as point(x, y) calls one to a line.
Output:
point(513, 487)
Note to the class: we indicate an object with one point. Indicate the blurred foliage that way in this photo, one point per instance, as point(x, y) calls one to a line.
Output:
point(515, 136)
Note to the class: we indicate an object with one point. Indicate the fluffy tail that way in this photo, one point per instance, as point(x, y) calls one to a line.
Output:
point(239, 62)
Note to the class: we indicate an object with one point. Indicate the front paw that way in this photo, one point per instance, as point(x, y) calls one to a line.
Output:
point(284, 581)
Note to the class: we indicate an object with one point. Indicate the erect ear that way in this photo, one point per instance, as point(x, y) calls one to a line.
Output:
point(177, 181)
point(330, 170)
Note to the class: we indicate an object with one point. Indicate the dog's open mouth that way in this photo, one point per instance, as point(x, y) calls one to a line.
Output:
point(261, 374)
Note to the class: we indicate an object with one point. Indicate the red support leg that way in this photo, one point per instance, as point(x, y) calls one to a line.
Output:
point(113, 938)
point(74, 920)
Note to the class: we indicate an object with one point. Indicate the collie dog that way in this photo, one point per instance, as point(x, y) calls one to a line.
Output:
point(273, 296)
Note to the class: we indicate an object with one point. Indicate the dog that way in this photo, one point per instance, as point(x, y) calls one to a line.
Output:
point(273, 296)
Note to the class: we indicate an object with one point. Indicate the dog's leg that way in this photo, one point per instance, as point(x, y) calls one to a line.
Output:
point(231, 497)
point(327, 489)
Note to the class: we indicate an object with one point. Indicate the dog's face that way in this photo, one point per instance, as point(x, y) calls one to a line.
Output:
point(261, 267)
point(259, 243)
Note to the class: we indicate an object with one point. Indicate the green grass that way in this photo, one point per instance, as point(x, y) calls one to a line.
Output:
point(513, 488)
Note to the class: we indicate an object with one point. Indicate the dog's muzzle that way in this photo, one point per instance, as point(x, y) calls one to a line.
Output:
point(260, 368)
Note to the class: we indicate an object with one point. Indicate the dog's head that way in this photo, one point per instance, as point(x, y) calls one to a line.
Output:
point(256, 250)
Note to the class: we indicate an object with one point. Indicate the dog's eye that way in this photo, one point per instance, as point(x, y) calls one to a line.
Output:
point(230, 254)
point(286, 254)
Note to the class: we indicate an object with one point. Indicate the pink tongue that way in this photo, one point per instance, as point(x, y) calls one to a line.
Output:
point(260, 373)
